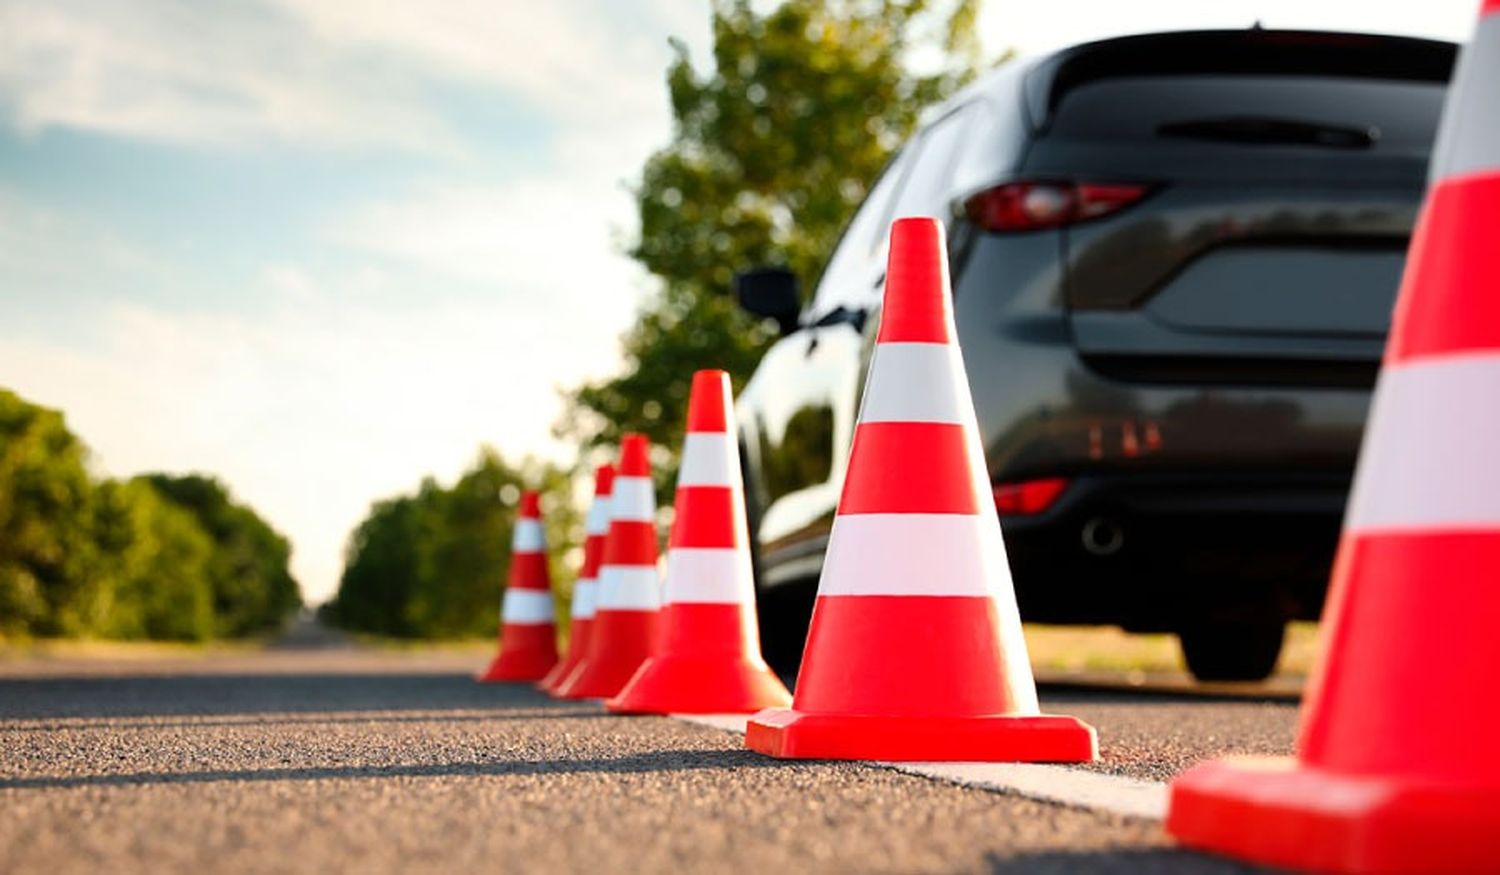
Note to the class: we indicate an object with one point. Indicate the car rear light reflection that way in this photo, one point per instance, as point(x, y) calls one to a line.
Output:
point(1029, 206)
point(1029, 497)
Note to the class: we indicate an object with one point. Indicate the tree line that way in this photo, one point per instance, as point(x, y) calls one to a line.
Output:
point(433, 563)
point(157, 556)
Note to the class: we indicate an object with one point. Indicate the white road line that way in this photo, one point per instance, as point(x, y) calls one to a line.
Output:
point(726, 722)
point(1061, 784)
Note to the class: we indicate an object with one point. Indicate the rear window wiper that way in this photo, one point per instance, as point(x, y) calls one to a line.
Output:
point(1264, 130)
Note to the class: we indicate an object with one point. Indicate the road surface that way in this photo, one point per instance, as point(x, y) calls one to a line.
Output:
point(319, 758)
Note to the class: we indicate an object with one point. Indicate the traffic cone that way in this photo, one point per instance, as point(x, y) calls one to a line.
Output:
point(629, 587)
point(708, 661)
point(1397, 769)
point(528, 634)
point(585, 590)
point(915, 650)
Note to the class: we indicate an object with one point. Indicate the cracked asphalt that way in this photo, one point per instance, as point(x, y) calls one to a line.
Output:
point(340, 758)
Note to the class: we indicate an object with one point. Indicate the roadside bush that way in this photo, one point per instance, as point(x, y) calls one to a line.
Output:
point(157, 556)
point(433, 564)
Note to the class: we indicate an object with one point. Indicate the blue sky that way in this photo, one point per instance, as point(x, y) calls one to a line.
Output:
point(324, 247)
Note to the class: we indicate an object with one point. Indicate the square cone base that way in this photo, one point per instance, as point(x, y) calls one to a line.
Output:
point(1278, 812)
point(1042, 738)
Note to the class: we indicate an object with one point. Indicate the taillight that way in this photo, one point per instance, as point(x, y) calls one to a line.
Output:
point(1029, 497)
point(1028, 206)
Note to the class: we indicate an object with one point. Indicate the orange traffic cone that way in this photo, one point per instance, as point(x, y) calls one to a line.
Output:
point(629, 588)
point(1397, 768)
point(585, 590)
point(528, 636)
point(915, 650)
point(708, 661)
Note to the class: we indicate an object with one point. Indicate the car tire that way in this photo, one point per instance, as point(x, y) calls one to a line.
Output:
point(1240, 651)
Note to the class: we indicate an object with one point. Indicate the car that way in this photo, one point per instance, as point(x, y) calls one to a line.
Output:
point(1173, 259)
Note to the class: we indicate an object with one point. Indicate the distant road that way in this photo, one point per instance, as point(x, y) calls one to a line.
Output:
point(318, 755)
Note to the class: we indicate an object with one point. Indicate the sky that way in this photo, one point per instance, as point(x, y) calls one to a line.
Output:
point(323, 248)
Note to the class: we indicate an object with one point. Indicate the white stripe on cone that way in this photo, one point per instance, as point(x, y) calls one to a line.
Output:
point(913, 382)
point(1469, 134)
point(708, 459)
point(597, 522)
point(527, 607)
point(709, 575)
point(1429, 460)
point(585, 592)
point(527, 537)
point(633, 500)
point(629, 588)
point(872, 554)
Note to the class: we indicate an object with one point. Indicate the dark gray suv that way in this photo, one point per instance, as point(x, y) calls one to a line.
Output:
point(1174, 258)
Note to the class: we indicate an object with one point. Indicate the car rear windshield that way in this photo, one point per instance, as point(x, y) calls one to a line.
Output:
point(1337, 91)
point(1324, 112)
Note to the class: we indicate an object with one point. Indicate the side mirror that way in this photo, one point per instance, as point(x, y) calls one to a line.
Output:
point(772, 293)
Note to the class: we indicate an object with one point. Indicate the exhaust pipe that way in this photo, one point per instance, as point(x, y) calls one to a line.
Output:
point(1102, 536)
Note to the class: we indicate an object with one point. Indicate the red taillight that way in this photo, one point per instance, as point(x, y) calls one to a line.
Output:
point(1028, 206)
point(1029, 497)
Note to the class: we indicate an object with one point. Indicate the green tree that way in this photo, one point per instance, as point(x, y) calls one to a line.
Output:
point(772, 151)
point(381, 569)
point(157, 559)
point(46, 504)
point(253, 588)
point(154, 557)
point(433, 564)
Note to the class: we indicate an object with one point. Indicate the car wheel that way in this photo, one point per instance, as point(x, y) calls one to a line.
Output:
point(1244, 651)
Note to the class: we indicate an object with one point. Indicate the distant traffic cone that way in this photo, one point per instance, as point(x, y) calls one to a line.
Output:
point(915, 650)
point(1397, 766)
point(528, 634)
point(708, 661)
point(585, 590)
point(624, 627)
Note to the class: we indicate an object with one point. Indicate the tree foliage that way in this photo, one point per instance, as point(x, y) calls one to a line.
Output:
point(46, 537)
point(248, 566)
point(433, 564)
point(125, 559)
point(772, 151)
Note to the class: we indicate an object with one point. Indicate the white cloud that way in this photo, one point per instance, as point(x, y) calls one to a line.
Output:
point(562, 54)
point(542, 239)
point(318, 406)
point(324, 73)
point(201, 74)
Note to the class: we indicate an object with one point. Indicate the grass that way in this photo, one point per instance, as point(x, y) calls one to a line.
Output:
point(1054, 649)
point(1107, 649)
point(74, 648)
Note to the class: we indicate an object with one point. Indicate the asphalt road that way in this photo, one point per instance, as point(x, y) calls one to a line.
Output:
point(327, 758)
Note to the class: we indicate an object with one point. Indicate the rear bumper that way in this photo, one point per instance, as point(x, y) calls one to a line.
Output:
point(1150, 551)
